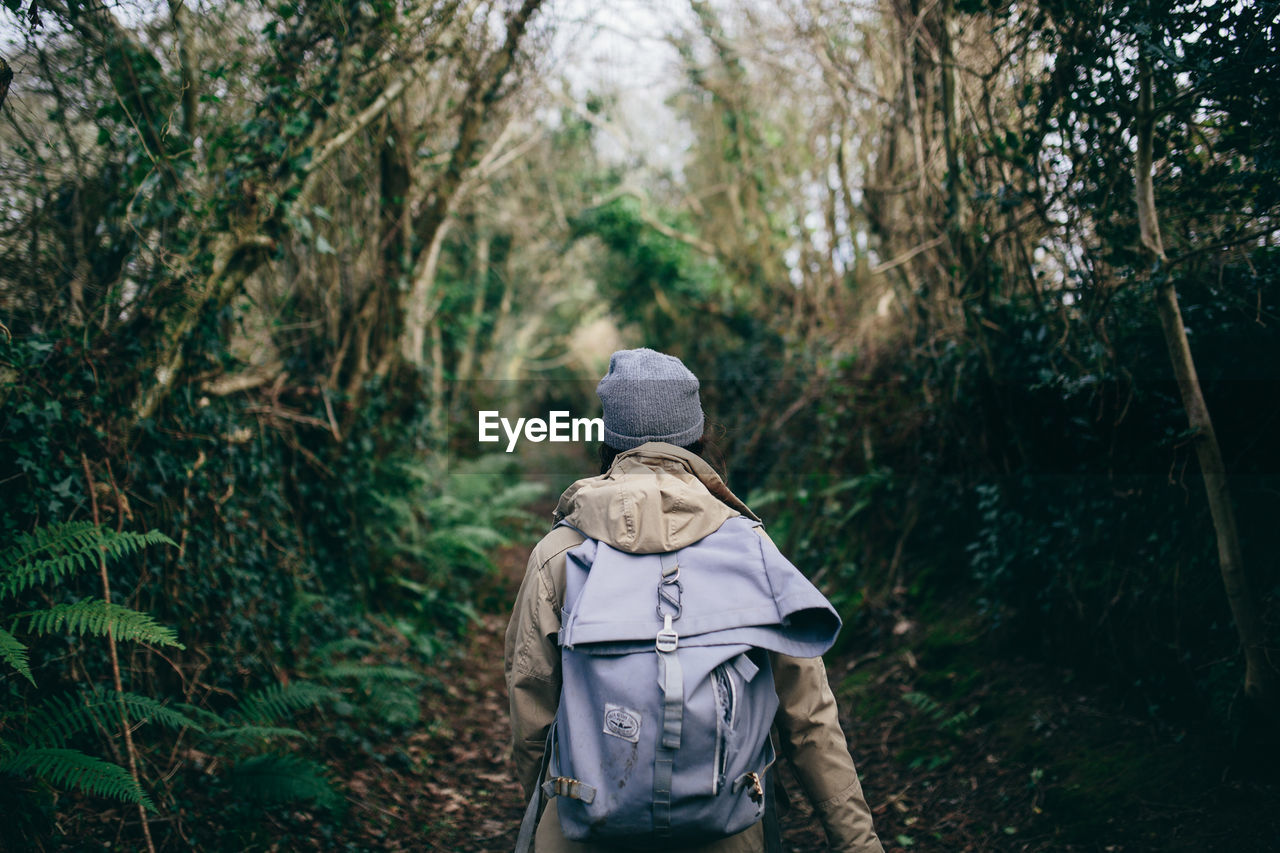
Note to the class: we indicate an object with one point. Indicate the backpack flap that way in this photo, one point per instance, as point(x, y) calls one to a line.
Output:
point(740, 590)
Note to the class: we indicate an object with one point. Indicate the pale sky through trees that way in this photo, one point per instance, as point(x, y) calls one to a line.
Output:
point(620, 49)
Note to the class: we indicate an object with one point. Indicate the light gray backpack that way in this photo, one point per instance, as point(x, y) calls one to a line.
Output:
point(662, 733)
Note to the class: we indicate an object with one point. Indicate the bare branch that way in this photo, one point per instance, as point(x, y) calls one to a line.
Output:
point(6, 77)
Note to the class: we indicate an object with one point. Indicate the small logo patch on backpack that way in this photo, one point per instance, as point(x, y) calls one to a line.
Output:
point(622, 722)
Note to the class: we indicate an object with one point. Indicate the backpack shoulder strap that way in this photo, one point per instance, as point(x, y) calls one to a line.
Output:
point(562, 537)
point(537, 802)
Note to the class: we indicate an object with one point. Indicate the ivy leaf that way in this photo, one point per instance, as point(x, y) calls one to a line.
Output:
point(63, 489)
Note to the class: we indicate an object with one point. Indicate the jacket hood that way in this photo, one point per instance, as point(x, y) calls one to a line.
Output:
point(655, 498)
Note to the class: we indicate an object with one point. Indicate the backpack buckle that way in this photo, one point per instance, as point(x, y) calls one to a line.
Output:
point(667, 639)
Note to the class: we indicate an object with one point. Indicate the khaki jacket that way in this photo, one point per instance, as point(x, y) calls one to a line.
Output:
point(658, 498)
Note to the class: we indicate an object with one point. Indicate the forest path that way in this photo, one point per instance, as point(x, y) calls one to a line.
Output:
point(473, 802)
point(449, 787)
point(478, 803)
point(959, 750)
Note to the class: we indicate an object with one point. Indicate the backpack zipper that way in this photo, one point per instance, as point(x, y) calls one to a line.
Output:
point(726, 693)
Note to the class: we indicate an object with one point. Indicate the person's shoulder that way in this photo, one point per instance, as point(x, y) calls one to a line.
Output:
point(558, 540)
point(760, 531)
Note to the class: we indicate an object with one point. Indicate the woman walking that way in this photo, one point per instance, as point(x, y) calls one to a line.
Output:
point(657, 495)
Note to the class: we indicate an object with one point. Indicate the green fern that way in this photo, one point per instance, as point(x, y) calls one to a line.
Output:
point(456, 518)
point(932, 709)
point(101, 619)
point(370, 673)
point(58, 719)
point(280, 701)
point(251, 735)
point(344, 646)
point(51, 554)
point(304, 604)
point(958, 719)
point(283, 779)
point(44, 542)
point(390, 692)
point(924, 703)
point(32, 740)
point(394, 705)
point(70, 768)
point(14, 653)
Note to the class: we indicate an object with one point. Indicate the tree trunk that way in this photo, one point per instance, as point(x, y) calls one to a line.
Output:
point(1259, 677)
point(480, 276)
point(6, 77)
point(484, 90)
point(421, 302)
point(190, 97)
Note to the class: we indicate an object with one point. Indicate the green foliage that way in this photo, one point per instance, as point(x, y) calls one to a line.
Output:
point(388, 693)
point(69, 768)
point(51, 554)
point(654, 281)
point(252, 737)
point(656, 260)
point(33, 740)
point(937, 714)
point(1051, 488)
point(809, 511)
point(255, 736)
point(437, 530)
point(59, 719)
point(282, 778)
point(100, 619)
point(279, 702)
point(278, 557)
point(1023, 438)
point(1018, 449)
point(15, 654)
point(936, 717)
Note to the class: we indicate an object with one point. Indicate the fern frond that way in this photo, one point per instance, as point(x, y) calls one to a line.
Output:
point(344, 646)
point(68, 537)
point(478, 535)
point(58, 551)
point(283, 779)
point(207, 720)
point(391, 691)
point(14, 653)
point(412, 585)
point(23, 576)
point(450, 549)
point(370, 673)
point(256, 735)
point(925, 704)
point(70, 768)
point(279, 701)
point(59, 718)
point(394, 704)
point(516, 497)
point(956, 720)
point(93, 616)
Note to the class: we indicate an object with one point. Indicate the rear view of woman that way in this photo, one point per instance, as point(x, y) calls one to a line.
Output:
point(657, 495)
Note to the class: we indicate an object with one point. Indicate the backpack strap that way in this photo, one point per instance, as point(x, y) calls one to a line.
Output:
point(772, 830)
point(671, 679)
point(529, 824)
point(564, 786)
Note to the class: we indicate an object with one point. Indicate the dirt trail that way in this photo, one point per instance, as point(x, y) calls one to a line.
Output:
point(479, 802)
point(959, 751)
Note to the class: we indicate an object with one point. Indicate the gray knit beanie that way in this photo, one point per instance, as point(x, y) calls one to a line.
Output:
point(649, 396)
